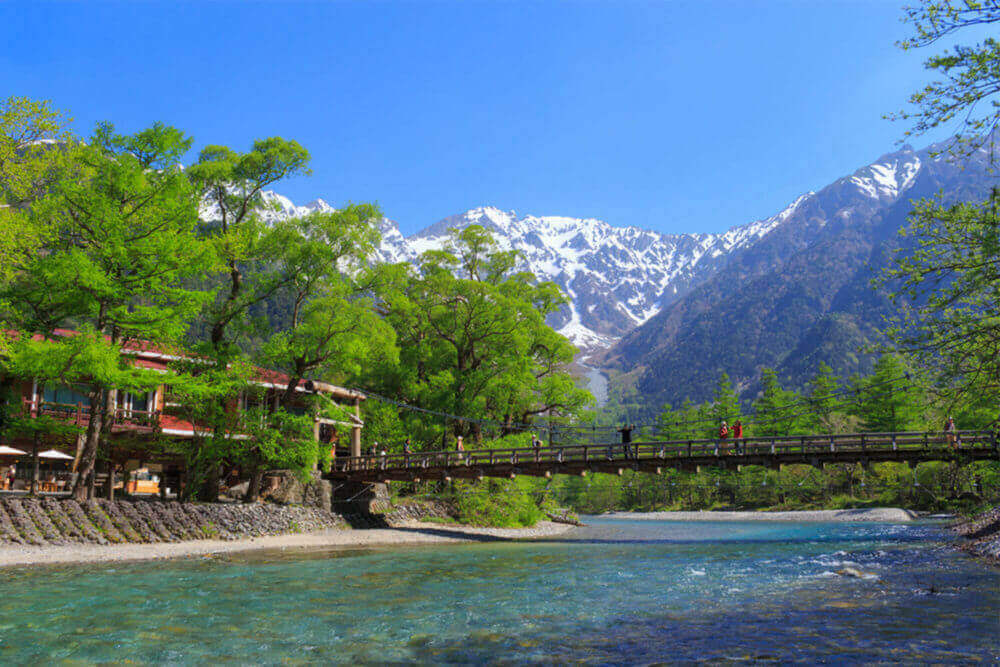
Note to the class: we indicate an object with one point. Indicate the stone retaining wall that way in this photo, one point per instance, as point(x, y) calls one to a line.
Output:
point(41, 521)
point(413, 511)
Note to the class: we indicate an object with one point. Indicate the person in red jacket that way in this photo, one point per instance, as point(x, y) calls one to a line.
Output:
point(738, 434)
point(723, 437)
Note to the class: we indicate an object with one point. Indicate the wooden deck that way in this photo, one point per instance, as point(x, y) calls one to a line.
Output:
point(654, 457)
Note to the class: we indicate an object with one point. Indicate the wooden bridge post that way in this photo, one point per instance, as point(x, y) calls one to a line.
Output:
point(356, 430)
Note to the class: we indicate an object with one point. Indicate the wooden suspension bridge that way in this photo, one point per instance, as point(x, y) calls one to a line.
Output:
point(654, 457)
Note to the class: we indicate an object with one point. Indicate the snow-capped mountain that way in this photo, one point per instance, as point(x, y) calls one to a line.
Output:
point(618, 278)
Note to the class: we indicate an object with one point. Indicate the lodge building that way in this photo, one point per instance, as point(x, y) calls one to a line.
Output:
point(144, 423)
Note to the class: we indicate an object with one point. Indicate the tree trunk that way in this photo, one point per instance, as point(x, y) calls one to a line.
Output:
point(88, 457)
point(111, 480)
point(106, 444)
point(288, 396)
point(208, 490)
point(34, 464)
point(253, 486)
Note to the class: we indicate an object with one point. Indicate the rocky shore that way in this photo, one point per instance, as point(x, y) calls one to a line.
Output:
point(47, 530)
point(981, 534)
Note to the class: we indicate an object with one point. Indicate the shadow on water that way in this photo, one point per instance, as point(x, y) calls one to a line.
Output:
point(456, 534)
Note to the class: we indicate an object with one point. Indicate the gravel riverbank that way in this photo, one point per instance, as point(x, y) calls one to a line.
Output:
point(405, 533)
point(878, 514)
point(981, 534)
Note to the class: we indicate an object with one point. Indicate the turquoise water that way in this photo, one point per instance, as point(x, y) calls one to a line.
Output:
point(614, 592)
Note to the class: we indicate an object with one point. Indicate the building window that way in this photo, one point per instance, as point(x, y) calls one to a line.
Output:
point(135, 402)
point(65, 395)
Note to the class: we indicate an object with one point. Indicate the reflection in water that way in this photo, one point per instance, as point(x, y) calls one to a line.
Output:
point(616, 591)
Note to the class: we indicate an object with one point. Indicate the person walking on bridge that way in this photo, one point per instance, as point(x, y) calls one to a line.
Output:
point(738, 434)
point(951, 433)
point(460, 448)
point(626, 432)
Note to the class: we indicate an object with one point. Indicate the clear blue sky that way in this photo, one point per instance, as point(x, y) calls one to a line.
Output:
point(674, 116)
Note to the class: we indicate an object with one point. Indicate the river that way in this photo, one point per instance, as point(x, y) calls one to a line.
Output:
point(616, 591)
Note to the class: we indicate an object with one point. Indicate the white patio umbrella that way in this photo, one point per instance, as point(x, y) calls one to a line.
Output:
point(54, 454)
point(10, 451)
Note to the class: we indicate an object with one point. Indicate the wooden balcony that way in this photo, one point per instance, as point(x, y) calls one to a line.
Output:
point(123, 419)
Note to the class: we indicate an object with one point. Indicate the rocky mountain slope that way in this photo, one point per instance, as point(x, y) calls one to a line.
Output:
point(800, 294)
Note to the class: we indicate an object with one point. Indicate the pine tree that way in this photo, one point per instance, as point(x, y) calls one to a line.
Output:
point(821, 399)
point(777, 411)
point(887, 401)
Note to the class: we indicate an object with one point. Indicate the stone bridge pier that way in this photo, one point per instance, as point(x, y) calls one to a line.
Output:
point(350, 497)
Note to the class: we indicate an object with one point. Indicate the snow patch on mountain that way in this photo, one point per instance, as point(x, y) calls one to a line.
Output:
point(889, 177)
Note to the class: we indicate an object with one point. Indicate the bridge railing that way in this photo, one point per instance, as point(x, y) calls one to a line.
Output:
point(663, 450)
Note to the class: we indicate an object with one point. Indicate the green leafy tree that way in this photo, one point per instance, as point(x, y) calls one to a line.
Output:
point(333, 328)
point(117, 262)
point(946, 278)
point(474, 342)
point(666, 423)
point(230, 186)
point(969, 79)
point(29, 163)
point(949, 287)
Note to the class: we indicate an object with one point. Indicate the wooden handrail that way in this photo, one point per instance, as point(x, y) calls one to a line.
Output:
point(561, 454)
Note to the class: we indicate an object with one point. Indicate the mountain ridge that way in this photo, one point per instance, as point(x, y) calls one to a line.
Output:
point(800, 295)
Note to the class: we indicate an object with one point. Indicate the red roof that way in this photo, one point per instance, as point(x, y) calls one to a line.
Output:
point(153, 355)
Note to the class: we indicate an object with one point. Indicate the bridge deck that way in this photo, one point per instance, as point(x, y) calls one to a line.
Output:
point(652, 457)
